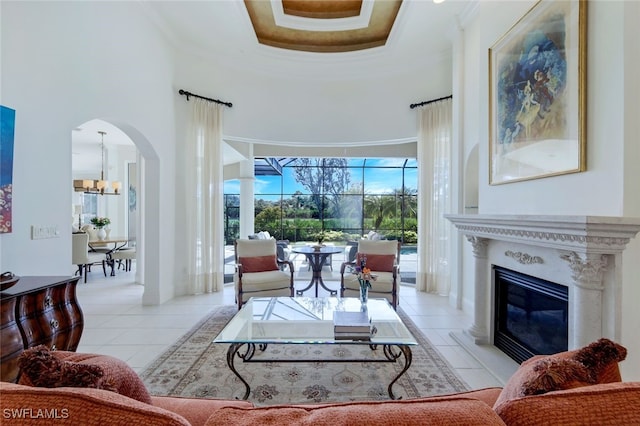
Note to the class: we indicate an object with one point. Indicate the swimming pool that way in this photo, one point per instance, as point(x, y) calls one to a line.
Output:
point(408, 249)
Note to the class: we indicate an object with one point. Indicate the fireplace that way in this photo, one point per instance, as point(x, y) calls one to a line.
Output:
point(531, 315)
point(581, 253)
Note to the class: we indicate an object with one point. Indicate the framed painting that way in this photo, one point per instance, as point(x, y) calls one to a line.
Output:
point(537, 94)
point(7, 130)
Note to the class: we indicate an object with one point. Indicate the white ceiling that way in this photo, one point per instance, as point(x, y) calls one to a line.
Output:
point(85, 145)
point(222, 30)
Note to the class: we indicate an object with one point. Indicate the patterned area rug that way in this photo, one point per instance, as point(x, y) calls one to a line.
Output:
point(195, 367)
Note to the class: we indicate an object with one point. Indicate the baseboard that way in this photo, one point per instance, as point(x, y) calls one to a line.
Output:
point(496, 362)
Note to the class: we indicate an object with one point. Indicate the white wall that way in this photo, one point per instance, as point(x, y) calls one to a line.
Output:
point(611, 184)
point(64, 63)
point(271, 107)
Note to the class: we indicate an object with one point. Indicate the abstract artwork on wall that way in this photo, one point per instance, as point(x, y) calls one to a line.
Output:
point(537, 94)
point(7, 127)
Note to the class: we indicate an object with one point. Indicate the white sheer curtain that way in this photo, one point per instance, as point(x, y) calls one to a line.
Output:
point(204, 204)
point(434, 195)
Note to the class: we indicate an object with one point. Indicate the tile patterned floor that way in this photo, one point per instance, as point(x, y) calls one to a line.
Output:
point(117, 324)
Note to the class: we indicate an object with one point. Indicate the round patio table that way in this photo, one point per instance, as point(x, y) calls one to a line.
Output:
point(317, 259)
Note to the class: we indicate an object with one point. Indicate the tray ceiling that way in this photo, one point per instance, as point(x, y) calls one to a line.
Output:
point(323, 26)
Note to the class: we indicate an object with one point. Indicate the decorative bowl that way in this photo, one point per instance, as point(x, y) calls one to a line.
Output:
point(8, 280)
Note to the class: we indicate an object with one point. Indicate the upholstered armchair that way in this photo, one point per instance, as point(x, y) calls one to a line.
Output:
point(258, 272)
point(382, 258)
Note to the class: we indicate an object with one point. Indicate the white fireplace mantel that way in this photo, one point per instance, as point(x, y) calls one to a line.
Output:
point(583, 253)
point(592, 234)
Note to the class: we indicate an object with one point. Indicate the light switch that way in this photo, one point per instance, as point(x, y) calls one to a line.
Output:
point(39, 232)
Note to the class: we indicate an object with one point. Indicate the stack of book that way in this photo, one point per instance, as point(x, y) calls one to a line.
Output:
point(352, 325)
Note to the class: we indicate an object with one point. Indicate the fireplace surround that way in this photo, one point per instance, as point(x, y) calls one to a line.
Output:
point(583, 253)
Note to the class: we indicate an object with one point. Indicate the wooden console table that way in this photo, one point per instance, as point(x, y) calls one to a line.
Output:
point(38, 311)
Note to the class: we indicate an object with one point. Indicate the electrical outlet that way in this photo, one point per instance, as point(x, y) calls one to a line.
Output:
point(40, 232)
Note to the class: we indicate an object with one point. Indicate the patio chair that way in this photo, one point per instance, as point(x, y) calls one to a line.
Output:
point(382, 258)
point(258, 271)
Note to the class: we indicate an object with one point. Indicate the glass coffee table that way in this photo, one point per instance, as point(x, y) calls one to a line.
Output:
point(309, 320)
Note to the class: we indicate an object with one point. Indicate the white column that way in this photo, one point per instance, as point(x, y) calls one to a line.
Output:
point(478, 330)
point(586, 302)
point(247, 197)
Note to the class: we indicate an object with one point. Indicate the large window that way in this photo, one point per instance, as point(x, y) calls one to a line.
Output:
point(343, 198)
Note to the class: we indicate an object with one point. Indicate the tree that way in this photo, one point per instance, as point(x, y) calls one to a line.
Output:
point(269, 220)
point(379, 207)
point(326, 179)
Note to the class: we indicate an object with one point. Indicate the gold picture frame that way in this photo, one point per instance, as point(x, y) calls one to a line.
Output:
point(537, 94)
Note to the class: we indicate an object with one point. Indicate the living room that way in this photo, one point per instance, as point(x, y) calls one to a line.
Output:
point(112, 62)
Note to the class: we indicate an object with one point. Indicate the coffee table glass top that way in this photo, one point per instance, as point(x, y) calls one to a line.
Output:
point(309, 320)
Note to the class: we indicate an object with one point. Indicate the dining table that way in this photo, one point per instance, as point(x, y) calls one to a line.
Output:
point(317, 256)
point(116, 243)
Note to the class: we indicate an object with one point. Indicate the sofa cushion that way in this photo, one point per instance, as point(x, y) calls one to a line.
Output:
point(196, 410)
point(603, 404)
point(78, 406)
point(595, 363)
point(450, 410)
point(258, 263)
point(43, 368)
point(378, 262)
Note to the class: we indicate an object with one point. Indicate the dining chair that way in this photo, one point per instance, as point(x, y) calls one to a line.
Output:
point(382, 257)
point(258, 271)
point(127, 256)
point(83, 258)
point(90, 230)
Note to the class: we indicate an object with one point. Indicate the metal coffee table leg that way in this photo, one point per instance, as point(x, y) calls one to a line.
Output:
point(247, 355)
point(393, 356)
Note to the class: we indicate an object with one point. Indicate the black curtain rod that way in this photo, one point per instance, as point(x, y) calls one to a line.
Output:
point(187, 94)
point(412, 106)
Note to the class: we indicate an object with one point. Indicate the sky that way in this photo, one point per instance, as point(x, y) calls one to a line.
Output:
point(378, 177)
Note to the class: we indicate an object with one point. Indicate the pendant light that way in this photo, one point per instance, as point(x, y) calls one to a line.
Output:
point(100, 186)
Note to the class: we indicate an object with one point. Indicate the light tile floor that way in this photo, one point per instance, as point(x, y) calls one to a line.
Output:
point(117, 324)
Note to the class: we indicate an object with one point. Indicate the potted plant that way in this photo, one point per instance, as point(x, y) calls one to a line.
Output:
point(100, 223)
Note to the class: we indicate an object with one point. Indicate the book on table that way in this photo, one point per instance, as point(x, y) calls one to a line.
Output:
point(351, 322)
point(352, 335)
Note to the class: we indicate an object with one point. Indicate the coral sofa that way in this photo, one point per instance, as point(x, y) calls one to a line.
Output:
point(587, 392)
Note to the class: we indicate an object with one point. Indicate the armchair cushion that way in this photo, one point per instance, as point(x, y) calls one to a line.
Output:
point(41, 367)
point(258, 263)
point(378, 262)
point(383, 283)
point(264, 281)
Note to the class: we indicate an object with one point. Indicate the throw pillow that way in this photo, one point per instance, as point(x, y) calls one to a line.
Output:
point(601, 358)
point(259, 263)
point(41, 367)
point(378, 262)
point(595, 363)
point(555, 374)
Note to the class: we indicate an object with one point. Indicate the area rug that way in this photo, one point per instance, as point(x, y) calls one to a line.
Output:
point(196, 367)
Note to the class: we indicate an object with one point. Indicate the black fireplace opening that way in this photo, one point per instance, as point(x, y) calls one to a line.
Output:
point(531, 315)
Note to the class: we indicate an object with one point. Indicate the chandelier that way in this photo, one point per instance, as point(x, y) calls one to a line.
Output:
point(100, 186)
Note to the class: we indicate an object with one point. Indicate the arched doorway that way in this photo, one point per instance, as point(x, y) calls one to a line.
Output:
point(141, 195)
